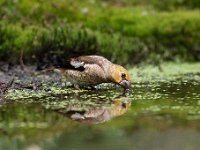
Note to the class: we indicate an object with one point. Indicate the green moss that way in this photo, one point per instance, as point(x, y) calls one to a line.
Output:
point(135, 34)
point(167, 72)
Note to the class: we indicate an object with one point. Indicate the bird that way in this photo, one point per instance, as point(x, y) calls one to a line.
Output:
point(93, 70)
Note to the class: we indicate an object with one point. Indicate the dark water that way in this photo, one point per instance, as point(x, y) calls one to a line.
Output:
point(156, 116)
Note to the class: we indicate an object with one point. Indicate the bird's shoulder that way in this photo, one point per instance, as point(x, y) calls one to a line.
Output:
point(88, 60)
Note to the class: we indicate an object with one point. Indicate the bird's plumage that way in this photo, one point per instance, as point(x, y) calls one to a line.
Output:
point(92, 70)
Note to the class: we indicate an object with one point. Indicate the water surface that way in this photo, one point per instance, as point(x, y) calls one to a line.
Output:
point(159, 114)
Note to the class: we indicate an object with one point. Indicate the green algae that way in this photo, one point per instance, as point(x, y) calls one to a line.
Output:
point(166, 72)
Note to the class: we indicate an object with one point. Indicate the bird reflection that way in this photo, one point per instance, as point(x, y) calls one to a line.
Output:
point(99, 114)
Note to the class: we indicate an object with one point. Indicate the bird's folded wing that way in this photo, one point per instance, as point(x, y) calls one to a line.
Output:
point(77, 64)
point(92, 59)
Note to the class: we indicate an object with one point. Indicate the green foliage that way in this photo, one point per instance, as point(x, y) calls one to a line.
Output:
point(67, 28)
point(145, 38)
point(157, 4)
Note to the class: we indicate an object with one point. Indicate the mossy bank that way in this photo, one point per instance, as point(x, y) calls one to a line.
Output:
point(125, 34)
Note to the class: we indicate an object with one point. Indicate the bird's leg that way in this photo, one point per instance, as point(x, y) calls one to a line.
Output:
point(76, 86)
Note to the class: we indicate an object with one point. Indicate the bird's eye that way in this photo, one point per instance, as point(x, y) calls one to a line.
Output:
point(123, 76)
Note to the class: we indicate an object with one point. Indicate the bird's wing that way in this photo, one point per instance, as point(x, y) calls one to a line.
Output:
point(81, 61)
point(77, 64)
point(68, 64)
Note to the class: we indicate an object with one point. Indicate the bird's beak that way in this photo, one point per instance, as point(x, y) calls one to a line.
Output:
point(126, 84)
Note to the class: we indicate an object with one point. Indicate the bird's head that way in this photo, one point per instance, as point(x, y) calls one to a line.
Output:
point(120, 76)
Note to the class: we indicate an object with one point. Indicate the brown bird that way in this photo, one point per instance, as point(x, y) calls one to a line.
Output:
point(93, 70)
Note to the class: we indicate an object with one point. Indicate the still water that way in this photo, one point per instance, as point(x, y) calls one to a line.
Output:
point(158, 115)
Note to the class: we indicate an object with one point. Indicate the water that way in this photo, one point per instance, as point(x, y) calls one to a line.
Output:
point(161, 114)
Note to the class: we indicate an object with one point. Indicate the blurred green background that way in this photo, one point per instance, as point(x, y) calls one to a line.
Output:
point(125, 31)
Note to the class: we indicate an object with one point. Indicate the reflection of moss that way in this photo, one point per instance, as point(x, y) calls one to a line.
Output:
point(30, 121)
